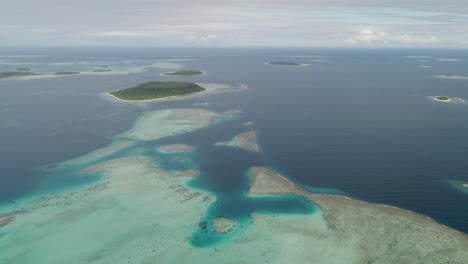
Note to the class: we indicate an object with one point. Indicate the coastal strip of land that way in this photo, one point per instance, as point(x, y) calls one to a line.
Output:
point(375, 233)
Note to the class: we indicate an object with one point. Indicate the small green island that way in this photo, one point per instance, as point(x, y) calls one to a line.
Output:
point(9, 74)
point(156, 90)
point(442, 98)
point(183, 73)
point(66, 73)
point(106, 70)
point(285, 63)
point(22, 69)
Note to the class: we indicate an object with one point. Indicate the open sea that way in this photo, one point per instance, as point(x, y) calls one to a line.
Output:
point(354, 122)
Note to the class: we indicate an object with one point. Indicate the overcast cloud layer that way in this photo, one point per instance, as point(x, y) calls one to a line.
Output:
point(308, 23)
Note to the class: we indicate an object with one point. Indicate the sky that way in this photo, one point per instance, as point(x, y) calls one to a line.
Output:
point(276, 23)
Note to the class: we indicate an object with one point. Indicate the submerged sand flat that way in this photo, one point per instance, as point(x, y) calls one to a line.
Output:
point(175, 148)
point(112, 148)
point(158, 124)
point(370, 233)
point(459, 185)
point(246, 141)
point(142, 213)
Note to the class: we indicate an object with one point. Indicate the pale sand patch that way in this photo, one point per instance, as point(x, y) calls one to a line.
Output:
point(370, 232)
point(245, 141)
point(448, 59)
point(110, 149)
point(7, 218)
point(222, 225)
point(265, 181)
point(189, 173)
point(454, 77)
point(176, 148)
point(221, 143)
point(139, 214)
point(158, 124)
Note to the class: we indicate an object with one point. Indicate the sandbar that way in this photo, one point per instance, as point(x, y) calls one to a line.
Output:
point(368, 232)
point(223, 225)
point(7, 218)
point(176, 148)
point(448, 59)
point(246, 141)
point(451, 76)
point(162, 123)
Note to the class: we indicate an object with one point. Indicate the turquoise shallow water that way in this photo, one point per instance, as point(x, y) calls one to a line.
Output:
point(360, 122)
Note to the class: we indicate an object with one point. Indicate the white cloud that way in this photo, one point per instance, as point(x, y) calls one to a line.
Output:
point(368, 36)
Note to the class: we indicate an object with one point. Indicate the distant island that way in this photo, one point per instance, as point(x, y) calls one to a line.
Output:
point(442, 98)
point(66, 73)
point(446, 99)
point(107, 70)
point(156, 90)
point(460, 185)
point(22, 69)
point(451, 76)
point(284, 63)
point(183, 73)
point(8, 74)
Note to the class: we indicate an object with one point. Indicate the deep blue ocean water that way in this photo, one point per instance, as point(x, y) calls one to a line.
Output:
point(360, 122)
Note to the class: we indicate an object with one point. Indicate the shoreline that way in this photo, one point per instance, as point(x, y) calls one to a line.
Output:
point(319, 199)
point(241, 86)
point(167, 74)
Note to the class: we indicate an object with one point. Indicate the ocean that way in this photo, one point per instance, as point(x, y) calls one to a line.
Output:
point(353, 122)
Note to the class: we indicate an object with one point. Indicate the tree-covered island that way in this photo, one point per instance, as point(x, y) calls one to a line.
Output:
point(183, 73)
point(66, 73)
point(285, 63)
point(156, 90)
point(442, 98)
point(8, 74)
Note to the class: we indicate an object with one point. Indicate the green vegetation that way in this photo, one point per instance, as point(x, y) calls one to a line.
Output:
point(155, 90)
point(183, 73)
point(8, 74)
point(284, 63)
point(442, 98)
point(22, 69)
point(102, 70)
point(66, 73)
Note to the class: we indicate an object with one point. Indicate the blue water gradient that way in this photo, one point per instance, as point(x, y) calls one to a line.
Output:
point(359, 122)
